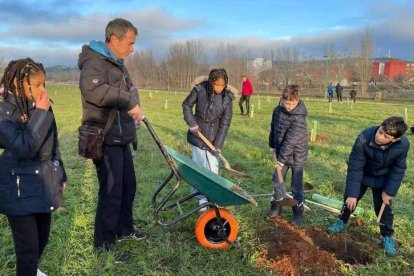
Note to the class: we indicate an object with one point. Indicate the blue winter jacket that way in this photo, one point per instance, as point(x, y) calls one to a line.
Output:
point(289, 135)
point(31, 169)
point(375, 166)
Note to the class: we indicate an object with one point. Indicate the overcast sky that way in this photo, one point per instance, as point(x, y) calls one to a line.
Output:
point(54, 31)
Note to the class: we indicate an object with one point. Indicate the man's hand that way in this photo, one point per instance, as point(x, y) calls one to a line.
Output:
point(386, 198)
point(136, 113)
point(42, 100)
point(351, 203)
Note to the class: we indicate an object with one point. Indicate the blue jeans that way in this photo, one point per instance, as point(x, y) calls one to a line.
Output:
point(205, 159)
point(296, 184)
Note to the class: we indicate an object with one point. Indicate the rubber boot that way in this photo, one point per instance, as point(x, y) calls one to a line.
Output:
point(275, 209)
point(298, 214)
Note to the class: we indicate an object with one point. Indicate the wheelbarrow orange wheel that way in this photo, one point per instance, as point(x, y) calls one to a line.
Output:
point(209, 232)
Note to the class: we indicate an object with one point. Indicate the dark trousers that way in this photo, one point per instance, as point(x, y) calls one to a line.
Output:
point(339, 96)
point(297, 181)
point(117, 187)
point(242, 100)
point(330, 97)
point(30, 236)
point(387, 218)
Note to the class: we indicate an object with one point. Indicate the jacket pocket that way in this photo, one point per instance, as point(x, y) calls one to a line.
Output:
point(27, 182)
point(51, 175)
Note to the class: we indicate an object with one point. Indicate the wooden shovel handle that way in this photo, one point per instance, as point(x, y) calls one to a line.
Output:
point(206, 141)
point(380, 213)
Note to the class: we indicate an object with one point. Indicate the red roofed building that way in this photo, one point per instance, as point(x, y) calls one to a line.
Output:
point(389, 67)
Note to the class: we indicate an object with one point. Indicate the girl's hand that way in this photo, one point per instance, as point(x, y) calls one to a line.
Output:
point(42, 100)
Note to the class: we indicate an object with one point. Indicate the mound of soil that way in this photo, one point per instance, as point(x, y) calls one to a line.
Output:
point(293, 251)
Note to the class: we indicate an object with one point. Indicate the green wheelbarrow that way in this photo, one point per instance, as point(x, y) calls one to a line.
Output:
point(216, 227)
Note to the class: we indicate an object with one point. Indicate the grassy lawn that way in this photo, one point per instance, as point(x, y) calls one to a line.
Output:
point(174, 250)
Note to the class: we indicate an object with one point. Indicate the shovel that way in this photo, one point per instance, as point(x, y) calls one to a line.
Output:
point(287, 199)
point(226, 163)
point(377, 222)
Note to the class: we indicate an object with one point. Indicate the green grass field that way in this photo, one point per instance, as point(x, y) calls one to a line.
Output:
point(174, 250)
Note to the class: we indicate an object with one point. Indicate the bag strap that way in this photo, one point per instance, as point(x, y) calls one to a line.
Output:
point(110, 121)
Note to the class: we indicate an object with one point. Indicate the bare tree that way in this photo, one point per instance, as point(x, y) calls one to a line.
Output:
point(183, 63)
point(362, 59)
point(3, 65)
point(235, 62)
point(286, 60)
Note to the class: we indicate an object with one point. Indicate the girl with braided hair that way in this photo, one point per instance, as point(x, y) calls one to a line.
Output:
point(213, 103)
point(32, 177)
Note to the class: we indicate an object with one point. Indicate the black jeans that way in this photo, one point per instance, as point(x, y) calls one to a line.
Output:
point(387, 218)
point(330, 97)
point(297, 181)
point(339, 96)
point(242, 100)
point(117, 187)
point(30, 236)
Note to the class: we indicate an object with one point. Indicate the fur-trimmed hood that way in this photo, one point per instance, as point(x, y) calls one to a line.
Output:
point(201, 79)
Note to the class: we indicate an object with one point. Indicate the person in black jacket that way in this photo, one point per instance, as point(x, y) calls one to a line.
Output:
point(339, 89)
point(213, 112)
point(32, 176)
point(288, 141)
point(378, 160)
point(106, 87)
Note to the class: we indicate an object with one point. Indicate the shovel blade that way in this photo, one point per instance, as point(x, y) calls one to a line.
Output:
point(288, 202)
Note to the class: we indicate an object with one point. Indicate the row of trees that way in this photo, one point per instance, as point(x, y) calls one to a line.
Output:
point(187, 60)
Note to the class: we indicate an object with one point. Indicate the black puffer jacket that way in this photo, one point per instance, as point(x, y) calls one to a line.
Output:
point(105, 85)
point(31, 168)
point(375, 166)
point(289, 135)
point(213, 115)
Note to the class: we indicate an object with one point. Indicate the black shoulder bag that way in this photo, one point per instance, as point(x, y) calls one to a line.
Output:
point(91, 138)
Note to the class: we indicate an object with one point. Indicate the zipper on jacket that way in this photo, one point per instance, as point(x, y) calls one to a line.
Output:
point(18, 185)
point(119, 123)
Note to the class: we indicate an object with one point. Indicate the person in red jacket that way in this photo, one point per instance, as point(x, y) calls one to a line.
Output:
point(246, 91)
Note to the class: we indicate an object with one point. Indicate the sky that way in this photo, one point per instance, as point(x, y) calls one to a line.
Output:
point(53, 31)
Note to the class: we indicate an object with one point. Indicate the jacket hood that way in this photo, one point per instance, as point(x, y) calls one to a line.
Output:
point(300, 109)
point(97, 49)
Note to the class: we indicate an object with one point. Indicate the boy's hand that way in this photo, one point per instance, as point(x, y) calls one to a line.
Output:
point(386, 198)
point(351, 203)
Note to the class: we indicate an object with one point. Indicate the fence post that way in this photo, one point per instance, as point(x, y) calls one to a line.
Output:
point(314, 130)
point(252, 111)
point(406, 115)
point(166, 104)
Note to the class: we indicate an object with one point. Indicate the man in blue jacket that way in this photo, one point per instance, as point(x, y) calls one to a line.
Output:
point(378, 160)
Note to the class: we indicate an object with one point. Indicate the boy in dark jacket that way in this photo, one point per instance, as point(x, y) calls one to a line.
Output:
point(288, 140)
point(378, 160)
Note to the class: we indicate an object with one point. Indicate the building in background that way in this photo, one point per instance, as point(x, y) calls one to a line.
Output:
point(390, 68)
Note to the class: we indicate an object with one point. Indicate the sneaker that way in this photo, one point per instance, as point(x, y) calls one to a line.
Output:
point(339, 226)
point(40, 273)
point(389, 246)
point(122, 257)
point(202, 201)
point(135, 235)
